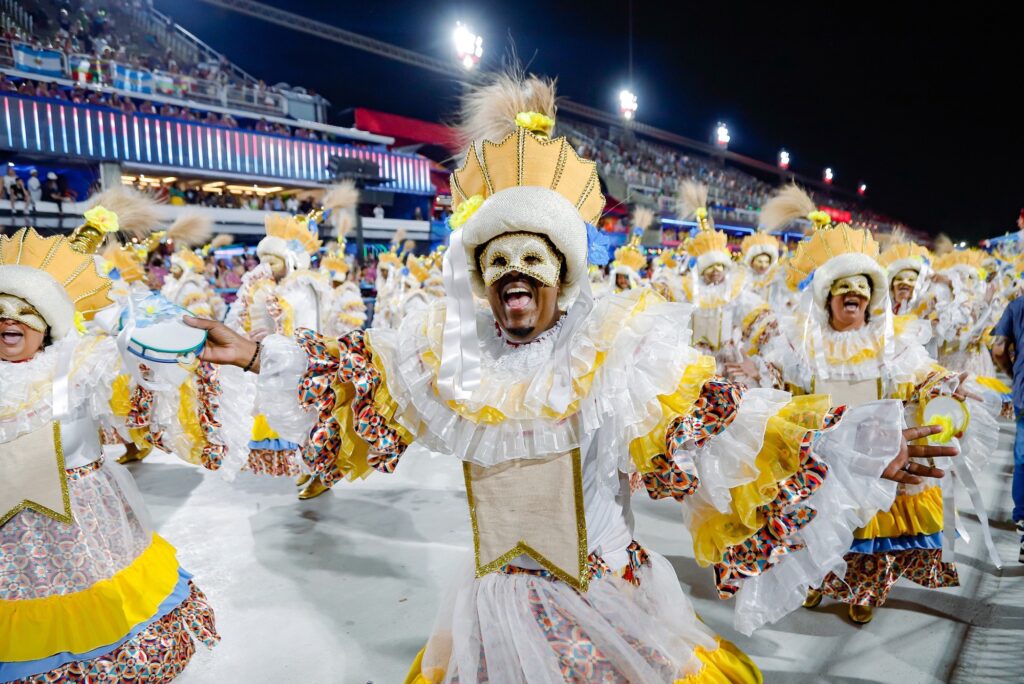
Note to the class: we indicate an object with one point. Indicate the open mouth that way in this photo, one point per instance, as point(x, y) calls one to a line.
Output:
point(852, 303)
point(11, 336)
point(517, 294)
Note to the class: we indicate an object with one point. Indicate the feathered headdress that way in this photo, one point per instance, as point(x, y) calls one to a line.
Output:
point(902, 254)
point(709, 246)
point(191, 229)
point(291, 238)
point(342, 200)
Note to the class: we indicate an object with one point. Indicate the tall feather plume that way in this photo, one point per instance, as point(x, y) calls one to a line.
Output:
point(788, 204)
point(342, 199)
point(690, 197)
point(643, 218)
point(942, 244)
point(190, 229)
point(398, 237)
point(488, 111)
point(136, 213)
point(221, 240)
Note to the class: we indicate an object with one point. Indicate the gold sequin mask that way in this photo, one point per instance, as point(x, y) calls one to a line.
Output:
point(524, 253)
point(17, 309)
point(858, 285)
point(907, 276)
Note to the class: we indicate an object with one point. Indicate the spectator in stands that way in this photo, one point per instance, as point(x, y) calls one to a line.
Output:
point(212, 118)
point(291, 205)
point(147, 107)
point(378, 212)
point(229, 121)
point(26, 88)
point(128, 106)
point(167, 109)
point(52, 193)
point(15, 189)
point(35, 188)
point(177, 195)
point(262, 126)
point(6, 85)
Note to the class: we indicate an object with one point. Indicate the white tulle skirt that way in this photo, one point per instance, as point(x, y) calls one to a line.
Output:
point(530, 628)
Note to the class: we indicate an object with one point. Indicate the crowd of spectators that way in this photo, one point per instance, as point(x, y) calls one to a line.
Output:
point(25, 191)
point(654, 171)
point(129, 105)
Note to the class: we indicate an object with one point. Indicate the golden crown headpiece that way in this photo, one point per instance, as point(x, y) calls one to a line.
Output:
point(904, 253)
point(295, 230)
point(707, 241)
point(825, 244)
point(390, 258)
point(974, 258)
point(527, 158)
point(127, 259)
point(667, 259)
point(187, 258)
point(69, 260)
point(417, 268)
point(631, 255)
point(335, 262)
point(758, 242)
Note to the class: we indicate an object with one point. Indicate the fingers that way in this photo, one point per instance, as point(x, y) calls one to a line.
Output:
point(923, 470)
point(910, 434)
point(201, 323)
point(931, 451)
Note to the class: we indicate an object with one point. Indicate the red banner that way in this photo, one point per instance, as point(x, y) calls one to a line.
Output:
point(838, 215)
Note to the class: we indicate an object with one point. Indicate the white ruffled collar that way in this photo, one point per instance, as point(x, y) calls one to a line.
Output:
point(515, 360)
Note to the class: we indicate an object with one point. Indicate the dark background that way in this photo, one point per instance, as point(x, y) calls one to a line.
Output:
point(920, 102)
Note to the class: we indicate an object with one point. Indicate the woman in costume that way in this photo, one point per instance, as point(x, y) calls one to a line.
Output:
point(88, 591)
point(551, 401)
point(965, 311)
point(760, 254)
point(345, 309)
point(845, 342)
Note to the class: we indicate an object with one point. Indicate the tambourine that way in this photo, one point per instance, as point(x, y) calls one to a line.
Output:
point(160, 335)
point(949, 413)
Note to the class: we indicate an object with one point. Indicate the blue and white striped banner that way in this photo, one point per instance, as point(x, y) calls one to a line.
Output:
point(45, 62)
point(135, 80)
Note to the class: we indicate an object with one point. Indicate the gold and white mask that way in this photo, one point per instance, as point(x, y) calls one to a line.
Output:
point(17, 309)
point(857, 284)
point(524, 253)
point(907, 276)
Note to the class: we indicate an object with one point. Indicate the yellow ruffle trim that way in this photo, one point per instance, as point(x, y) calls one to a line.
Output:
point(489, 415)
point(723, 665)
point(919, 513)
point(121, 396)
point(643, 449)
point(993, 384)
point(193, 439)
point(778, 460)
point(94, 617)
point(261, 429)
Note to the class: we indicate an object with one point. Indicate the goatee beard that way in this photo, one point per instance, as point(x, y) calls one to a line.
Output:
point(519, 332)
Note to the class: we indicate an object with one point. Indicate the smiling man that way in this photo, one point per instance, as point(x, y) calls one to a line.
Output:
point(551, 402)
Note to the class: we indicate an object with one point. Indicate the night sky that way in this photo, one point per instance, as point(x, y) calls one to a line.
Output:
point(911, 98)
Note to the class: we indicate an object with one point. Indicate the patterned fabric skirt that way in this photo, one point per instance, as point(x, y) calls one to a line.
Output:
point(117, 606)
point(633, 624)
point(273, 463)
point(156, 655)
point(871, 576)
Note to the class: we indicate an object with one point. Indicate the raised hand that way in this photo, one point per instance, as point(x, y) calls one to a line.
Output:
point(902, 469)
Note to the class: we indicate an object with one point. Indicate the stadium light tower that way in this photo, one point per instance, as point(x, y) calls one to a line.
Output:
point(627, 104)
point(862, 189)
point(469, 47)
point(722, 136)
point(828, 175)
point(783, 159)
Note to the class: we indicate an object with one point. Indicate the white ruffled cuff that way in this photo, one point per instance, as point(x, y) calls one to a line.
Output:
point(857, 451)
point(282, 364)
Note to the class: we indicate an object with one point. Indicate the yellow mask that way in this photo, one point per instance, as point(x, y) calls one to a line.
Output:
point(521, 252)
point(17, 309)
point(858, 285)
point(907, 276)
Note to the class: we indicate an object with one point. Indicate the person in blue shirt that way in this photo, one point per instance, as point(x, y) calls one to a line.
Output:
point(1009, 340)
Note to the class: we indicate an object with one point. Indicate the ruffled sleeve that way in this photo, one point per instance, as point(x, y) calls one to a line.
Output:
point(773, 487)
point(327, 395)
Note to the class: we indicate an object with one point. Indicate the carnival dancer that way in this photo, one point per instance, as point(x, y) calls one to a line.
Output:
point(907, 270)
point(845, 342)
point(730, 322)
point(186, 285)
point(281, 295)
point(630, 260)
point(345, 309)
point(965, 312)
point(388, 283)
point(551, 401)
point(88, 591)
point(760, 253)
